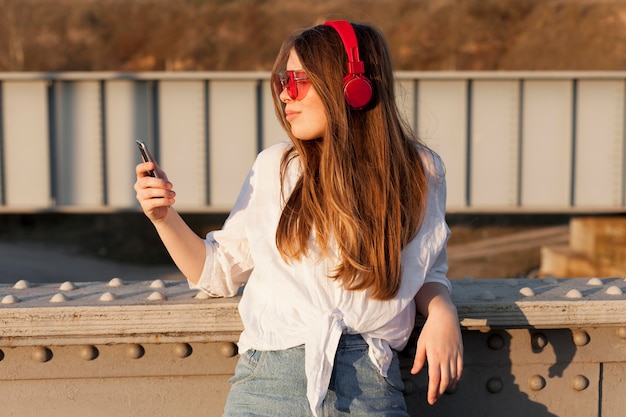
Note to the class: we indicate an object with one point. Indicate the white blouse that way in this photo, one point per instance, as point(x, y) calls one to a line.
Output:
point(291, 304)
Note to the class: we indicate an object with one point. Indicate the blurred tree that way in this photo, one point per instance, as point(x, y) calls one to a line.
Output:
point(12, 25)
point(228, 35)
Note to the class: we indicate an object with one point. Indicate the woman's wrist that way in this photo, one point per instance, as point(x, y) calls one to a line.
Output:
point(441, 305)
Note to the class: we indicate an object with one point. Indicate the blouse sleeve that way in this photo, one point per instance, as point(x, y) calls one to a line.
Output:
point(228, 262)
point(436, 212)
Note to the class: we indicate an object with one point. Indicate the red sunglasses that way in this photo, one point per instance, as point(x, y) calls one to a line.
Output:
point(295, 82)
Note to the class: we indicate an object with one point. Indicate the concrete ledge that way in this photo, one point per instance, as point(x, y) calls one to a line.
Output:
point(101, 313)
point(540, 303)
point(166, 312)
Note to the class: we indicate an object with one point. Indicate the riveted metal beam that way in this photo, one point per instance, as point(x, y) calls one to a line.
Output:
point(540, 347)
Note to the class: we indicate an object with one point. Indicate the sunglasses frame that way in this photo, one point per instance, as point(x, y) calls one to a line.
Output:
point(295, 82)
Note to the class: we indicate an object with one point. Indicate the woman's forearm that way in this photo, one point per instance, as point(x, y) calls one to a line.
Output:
point(432, 296)
point(185, 247)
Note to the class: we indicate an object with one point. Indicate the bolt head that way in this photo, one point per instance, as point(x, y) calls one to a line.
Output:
point(228, 349)
point(536, 382)
point(581, 338)
point(495, 385)
point(41, 354)
point(580, 383)
point(182, 350)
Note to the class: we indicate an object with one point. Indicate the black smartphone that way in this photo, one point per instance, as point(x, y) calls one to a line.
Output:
point(146, 157)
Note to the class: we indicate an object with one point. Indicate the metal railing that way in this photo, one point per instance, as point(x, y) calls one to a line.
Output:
point(511, 141)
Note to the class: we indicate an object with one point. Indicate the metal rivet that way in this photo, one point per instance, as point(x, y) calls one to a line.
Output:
point(10, 299)
point(58, 298)
point(614, 290)
point(116, 282)
point(135, 351)
point(67, 286)
point(494, 385)
point(527, 292)
point(228, 349)
point(157, 283)
point(495, 341)
point(581, 338)
point(486, 296)
point(580, 383)
point(538, 341)
point(621, 332)
point(182, 350)
point(22, 285)
point(88, 352)
point(574, 294)
point(107, 296)
point(157, 296)
point(596, 282)
point(41, 354)
point(536, 382)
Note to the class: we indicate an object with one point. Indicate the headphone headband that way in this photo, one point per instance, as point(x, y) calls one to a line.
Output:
point(350, 43)
point(357, 88)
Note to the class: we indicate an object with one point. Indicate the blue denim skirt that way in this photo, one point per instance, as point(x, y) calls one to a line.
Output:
point(273, 384)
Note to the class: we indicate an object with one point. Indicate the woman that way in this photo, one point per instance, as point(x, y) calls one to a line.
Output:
point(337, 236)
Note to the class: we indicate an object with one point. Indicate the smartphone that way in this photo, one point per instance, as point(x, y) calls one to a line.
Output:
point(146, 157)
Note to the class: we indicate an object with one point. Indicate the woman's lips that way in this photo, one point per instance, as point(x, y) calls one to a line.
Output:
point(290, 115)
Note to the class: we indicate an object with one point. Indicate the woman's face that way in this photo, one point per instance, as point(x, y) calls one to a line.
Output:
point(306, 116)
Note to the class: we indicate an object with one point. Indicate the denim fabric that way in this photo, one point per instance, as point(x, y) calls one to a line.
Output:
point(273, 384)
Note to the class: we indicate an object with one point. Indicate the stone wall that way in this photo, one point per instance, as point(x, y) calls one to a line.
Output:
point(596, 248)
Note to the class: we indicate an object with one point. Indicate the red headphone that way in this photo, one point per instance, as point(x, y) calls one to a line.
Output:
point(357, 89)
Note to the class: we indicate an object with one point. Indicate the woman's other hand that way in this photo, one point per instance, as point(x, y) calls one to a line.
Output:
point(440, 341)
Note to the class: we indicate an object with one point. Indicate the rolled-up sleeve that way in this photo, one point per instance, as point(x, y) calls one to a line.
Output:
point(228, 262)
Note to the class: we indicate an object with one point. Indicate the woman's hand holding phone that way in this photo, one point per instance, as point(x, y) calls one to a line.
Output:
point(154, 191)
point(155, 194)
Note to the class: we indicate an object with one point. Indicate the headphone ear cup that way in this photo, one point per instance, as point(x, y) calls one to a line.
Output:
point(357, 90)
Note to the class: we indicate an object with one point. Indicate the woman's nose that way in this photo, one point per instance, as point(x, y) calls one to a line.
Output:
point(284, 96)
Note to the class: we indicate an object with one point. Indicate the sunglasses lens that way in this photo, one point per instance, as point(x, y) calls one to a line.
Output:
point(291, 85)
point(278, 83)
point(289, 81)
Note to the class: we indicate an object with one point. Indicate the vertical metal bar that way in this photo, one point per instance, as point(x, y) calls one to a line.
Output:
point(259, 116)
point(52, 141)
point(572, 200)
point(520, 140)
point(468, 160)
point(3, 197)
point(600, 384)
point(416, 92)
point(156, 131)
point(103, 144)
point(207, 141)
point(624, 150)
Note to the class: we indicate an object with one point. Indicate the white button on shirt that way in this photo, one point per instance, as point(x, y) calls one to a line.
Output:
point(291, 304)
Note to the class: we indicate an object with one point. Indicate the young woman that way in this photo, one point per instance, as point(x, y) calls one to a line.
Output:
point(338, 237)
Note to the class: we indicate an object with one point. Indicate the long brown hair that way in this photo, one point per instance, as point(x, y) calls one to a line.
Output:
point(363, 185)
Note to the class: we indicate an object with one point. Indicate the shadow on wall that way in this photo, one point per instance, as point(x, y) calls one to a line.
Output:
point(513, 373)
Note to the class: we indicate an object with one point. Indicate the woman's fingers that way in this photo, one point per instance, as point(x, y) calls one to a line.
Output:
point(155, 195)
